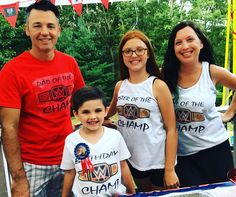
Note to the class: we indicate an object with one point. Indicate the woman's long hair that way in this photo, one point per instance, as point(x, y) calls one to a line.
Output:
point(151, 68)
point(171, 64)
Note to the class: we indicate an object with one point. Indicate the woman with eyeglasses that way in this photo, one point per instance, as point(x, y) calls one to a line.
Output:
point(146, 116)
point(204, 154)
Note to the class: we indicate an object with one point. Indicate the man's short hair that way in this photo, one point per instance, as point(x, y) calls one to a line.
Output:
point(44, 5)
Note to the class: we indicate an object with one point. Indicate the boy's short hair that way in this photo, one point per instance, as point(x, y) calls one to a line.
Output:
point(87, 93)
point(44, 5)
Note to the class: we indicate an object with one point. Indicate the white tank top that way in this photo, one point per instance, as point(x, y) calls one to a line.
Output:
point(198, 121)
point(140, 123)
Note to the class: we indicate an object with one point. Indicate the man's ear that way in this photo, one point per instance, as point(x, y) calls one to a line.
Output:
point(27, 29)
point(59, 31)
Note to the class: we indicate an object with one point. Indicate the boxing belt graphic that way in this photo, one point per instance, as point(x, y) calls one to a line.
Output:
point(186, 116)
point(57, 93)
point(132, 112)
point(100, 174)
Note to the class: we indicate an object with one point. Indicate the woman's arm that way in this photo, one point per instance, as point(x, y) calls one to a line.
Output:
point(126, 177)
point(230, 112)
point(222, 76)
point(165, 102)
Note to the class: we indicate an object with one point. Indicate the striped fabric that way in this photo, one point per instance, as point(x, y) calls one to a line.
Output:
point(44, 180)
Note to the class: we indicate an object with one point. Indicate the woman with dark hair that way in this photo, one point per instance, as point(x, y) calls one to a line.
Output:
point(204, 154)
point(146, 116)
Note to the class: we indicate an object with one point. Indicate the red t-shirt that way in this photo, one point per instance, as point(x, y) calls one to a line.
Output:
point(42, 90)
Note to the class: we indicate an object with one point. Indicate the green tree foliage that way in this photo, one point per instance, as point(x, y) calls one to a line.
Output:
point(81, 41)
point(6, 53)
point(13, 41)
point(93, 37)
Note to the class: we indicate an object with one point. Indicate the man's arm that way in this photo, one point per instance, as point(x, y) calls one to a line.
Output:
point(9, 118)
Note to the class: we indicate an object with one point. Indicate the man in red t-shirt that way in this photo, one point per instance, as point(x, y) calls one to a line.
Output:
point(35, 106)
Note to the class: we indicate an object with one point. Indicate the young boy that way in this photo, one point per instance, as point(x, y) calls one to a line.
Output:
point(98, 171)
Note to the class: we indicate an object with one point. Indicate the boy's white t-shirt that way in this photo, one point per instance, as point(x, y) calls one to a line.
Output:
point(105, 156)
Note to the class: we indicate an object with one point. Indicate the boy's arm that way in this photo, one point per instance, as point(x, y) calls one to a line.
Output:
point(126, 177)
point(69, 176)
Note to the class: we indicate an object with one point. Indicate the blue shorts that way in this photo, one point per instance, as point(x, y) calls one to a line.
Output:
point(44, 180)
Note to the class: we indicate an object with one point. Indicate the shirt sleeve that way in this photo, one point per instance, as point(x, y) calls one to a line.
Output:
point(67, 158)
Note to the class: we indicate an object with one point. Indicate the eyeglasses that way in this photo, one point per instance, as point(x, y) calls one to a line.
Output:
point(129, 52)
